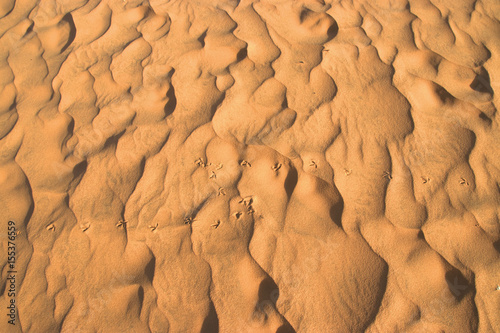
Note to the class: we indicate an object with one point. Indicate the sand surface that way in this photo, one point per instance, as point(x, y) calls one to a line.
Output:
point(250, 166)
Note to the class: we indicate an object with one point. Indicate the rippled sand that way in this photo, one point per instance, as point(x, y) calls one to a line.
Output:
point(250, 166)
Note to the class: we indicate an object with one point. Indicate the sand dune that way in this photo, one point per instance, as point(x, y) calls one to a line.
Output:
point(249, 166)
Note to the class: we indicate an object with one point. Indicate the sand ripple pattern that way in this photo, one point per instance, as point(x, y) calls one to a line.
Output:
point(251, 166)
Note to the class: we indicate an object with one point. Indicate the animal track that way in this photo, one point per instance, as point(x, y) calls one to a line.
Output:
point(216, 224)
point(245, 163)
point(121, 223)
point(308, 99)
point(200, 162)
point(246, 201)
point(84, 227)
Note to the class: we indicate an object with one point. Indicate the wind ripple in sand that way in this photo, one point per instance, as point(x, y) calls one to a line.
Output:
point(251, 165)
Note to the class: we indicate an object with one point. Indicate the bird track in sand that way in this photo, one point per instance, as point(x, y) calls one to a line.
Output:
point(334, 116)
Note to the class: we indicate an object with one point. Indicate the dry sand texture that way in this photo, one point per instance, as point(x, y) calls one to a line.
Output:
point(250, 166)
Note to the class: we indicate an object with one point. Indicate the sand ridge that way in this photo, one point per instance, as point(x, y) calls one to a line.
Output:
point(250, 166)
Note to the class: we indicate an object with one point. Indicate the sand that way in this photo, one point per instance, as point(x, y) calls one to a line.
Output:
point(249, 166)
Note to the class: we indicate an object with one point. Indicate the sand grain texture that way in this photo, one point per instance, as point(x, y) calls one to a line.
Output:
point(251, 166)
